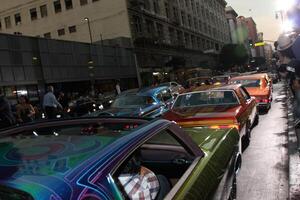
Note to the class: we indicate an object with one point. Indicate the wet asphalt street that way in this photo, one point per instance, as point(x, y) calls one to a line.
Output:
point(264, 172)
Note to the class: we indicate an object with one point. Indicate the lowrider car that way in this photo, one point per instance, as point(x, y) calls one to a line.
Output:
point(174, 87)
point(87, 158)
point(148, 102)
point(220, 107)
point(258, 86)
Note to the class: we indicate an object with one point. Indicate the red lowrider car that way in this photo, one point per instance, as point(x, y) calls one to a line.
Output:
point(258, 86)
point(222, 107)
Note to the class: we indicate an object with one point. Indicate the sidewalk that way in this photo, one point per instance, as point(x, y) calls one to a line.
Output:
point(294, 159)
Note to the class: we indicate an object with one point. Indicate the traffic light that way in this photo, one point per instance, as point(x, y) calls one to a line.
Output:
point(251, 43)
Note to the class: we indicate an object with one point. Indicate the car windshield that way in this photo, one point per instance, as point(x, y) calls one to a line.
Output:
point(247, 83)
point(132, 101)
point(206, 98)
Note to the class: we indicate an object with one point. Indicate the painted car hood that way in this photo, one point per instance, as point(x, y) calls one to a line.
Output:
point(202, 112)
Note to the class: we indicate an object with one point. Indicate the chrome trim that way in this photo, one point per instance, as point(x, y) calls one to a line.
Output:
point(182, 180)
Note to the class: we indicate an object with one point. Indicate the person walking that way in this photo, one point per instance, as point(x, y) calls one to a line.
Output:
point(25, 111)
point(50, 103)
point(118, 88)
point(6, 116)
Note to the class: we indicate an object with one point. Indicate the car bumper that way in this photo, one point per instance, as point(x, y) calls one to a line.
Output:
point(263, 105)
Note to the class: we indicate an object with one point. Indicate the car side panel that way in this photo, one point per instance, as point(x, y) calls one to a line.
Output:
point(210, 170)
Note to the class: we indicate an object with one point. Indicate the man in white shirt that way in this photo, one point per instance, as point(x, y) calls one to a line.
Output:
point(50, 104)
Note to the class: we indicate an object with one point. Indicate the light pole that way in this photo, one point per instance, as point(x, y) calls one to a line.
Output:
point(90, 62)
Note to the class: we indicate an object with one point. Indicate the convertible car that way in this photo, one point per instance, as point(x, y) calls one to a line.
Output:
point(148, 102)
point(219, 107)
point(86, 159)
point(258, 86)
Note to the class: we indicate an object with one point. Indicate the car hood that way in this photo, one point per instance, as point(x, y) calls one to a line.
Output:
point(258, 91)
point(190, 113)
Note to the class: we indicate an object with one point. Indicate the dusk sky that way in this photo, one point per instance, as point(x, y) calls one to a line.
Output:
point(263, 13)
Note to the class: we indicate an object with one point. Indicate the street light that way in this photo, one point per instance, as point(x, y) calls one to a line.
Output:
point(90, 62)
point(89, 25)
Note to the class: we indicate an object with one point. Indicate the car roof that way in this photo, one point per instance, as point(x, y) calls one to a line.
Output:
point(249, 77)
point(147, 91)
point(212, 87)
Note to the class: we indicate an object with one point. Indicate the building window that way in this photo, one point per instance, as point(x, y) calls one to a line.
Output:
point(83, 2)
point(137, 24)
point(94, 0)
point(171, 34)
point(156, 6)
point(190, 21)
point(72, 29)
point(160, 31)
point(33, 14)
point(61, 32)
point(57, 6)
point(182, 18)
point(69, 4)
point(167, 10)
point(150, 26)
point(7, 22)
point(47, 35)
point(44, 12)
point(17, 19)
point(0, 25)
point(196, 24)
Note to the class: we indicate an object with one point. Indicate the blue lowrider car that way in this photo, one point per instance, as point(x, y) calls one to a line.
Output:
point(147, 102)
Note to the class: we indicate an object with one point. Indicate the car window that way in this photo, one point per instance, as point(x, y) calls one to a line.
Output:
point(247, 83)
point(174, 84)
point(245, 93)
point(205, 98)
point(166, 95)
point(157, 165)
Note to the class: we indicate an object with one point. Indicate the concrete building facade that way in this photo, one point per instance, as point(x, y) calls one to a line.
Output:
point(231, 16)
point(165, 33)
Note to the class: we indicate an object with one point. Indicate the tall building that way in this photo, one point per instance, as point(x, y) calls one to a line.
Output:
point(252, 35)
point(231, 16)
point(165, 33)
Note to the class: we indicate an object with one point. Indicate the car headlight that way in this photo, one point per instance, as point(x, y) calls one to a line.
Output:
point(94, 105)
point(101, 107)
point(111, 101)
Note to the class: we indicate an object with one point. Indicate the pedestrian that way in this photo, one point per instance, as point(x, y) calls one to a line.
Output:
point(25, 111)
point(118, 88)
point(6, 116)
point(50, 103)
point(288, 61)
point(63, 100)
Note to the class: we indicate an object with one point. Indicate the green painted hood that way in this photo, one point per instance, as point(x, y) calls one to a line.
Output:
point(206, 138)
point(219, 146)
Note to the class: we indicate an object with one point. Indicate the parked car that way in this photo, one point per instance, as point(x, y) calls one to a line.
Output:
point(258, 86)
point(220, 107)
point(175, 88)
point(86, 159)
point(222, 79)
point(148, 102)
point(195, 82)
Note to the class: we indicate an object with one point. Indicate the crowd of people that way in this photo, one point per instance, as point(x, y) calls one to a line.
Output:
point(288, 46)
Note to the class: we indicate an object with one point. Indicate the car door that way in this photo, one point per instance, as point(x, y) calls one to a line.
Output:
point(169, 153)
point(250, 104)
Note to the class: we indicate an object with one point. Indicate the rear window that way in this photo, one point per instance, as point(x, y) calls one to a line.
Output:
point(206, 98)
point(247, 83)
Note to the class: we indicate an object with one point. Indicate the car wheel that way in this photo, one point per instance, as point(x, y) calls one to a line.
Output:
point(247, 136)
point(233, 191)
point(256, 120)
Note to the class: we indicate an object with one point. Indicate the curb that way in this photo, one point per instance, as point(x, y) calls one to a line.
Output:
point(294, 159)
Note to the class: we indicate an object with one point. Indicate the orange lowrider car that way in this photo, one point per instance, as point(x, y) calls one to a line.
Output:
point(223, 107)
point(258, 86)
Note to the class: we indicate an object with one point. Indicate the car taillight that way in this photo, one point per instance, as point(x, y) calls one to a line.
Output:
point(265, 100)
point(225, 126)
